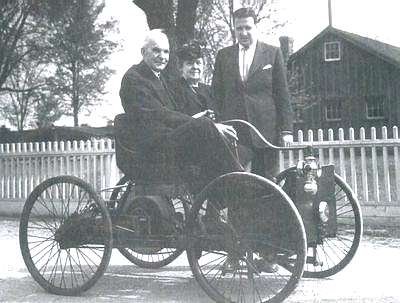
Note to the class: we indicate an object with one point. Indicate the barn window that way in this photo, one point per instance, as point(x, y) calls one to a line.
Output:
point(375, 107)
point(333, 110)
point(332, 51)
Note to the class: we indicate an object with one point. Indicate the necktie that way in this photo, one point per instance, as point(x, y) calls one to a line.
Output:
point(244, 64)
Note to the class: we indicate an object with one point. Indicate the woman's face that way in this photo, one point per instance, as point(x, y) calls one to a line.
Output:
point(192, 70)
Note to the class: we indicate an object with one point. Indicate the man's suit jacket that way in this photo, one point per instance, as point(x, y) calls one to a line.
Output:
point(263, 99)
point(192, 102)
point(150, 118)
point(150, 104)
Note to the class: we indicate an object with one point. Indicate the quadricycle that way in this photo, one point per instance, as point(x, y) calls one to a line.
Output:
point(247, 238)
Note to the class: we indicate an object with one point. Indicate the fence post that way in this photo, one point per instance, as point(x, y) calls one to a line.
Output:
point(2, 172)
point(36, 176)
point(24, 173)
point(102, 171)
point(330, 139)
point(364, 175)
point(396, 163)
point(342, 163)
point(353, 163)
point(81, 160)
point(320, 150)
point(375, 177)
point(301, 141)
point(14, 171)
point(386, 177)
point(8, 173)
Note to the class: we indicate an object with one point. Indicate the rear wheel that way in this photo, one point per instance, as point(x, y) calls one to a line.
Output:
point(248, 241)
point(65, 235)
point(336, 251)
point(148, 257)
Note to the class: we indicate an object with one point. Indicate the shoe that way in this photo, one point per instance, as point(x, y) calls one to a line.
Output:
point(263, 265)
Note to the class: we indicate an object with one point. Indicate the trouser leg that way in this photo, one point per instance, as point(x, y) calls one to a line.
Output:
point(199, 143)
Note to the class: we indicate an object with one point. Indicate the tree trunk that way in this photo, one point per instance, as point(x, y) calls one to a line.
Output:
point(75, 113)
point(159, 13)
point(185, 20)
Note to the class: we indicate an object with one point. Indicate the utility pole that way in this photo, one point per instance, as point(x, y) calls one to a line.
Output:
point(330, 12)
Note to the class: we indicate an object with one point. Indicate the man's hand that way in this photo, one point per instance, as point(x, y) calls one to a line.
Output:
point(227, 130)
point(208, 113)
point(286, 138)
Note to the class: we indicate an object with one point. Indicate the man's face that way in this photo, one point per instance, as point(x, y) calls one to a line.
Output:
point(245, 31)
point(192, 70)
point(156, 53)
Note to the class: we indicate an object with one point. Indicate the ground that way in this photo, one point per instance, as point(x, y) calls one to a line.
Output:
point(371, 277)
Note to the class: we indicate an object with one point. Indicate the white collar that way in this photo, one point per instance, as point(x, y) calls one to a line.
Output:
point(251, 48)
point(157, 74)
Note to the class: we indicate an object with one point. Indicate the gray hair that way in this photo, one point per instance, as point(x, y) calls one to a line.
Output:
point(154, 35)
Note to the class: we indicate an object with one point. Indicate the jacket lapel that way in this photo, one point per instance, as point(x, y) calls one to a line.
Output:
point(258, 59)
point(235, 65)
point(160, 88)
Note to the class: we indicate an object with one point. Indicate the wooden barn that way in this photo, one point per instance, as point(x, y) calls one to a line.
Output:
point(341, 79)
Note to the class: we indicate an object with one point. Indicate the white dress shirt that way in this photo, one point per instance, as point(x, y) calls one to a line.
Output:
point(246, 57)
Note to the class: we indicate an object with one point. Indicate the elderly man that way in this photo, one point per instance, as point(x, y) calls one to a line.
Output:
point(165, 138)
point(249, 83)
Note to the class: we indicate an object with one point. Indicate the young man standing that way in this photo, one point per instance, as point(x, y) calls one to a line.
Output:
point(249, 83)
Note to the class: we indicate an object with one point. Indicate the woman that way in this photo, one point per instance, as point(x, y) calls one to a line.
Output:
point(191, 95)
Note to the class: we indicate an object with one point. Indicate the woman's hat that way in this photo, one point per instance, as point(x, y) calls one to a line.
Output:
point(194, 49)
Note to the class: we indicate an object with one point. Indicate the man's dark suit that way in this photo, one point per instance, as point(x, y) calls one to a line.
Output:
point(263, 99)
point(166, 141)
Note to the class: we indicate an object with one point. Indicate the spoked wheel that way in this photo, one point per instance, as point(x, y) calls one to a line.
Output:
point(65, 235)
point(248, 242)
point(338, 249)
point(149, 257)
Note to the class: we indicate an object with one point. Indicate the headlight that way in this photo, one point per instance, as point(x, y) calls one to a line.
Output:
point(310, 169)
point(311, 186)
point(323, 211)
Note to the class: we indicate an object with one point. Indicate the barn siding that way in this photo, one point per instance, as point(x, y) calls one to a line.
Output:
point(358, 74)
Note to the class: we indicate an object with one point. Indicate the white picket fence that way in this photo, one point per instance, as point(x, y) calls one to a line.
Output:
point(24, 165)
point(370, 166)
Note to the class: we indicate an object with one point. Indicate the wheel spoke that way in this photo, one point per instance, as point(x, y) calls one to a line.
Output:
point(234, 262)
point(47, 235)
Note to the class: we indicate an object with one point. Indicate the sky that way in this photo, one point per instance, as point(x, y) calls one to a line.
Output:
point(305, 19)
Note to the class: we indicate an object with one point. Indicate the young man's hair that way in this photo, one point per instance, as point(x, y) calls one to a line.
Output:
point(245, 12)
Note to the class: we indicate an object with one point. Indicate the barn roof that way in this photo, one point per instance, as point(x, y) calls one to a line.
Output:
point(387, 52)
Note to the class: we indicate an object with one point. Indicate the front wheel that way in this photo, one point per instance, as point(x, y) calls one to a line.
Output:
point(65, 235)
point(248, 242)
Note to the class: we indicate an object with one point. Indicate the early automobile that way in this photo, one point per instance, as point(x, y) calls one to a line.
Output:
point(247, 238)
